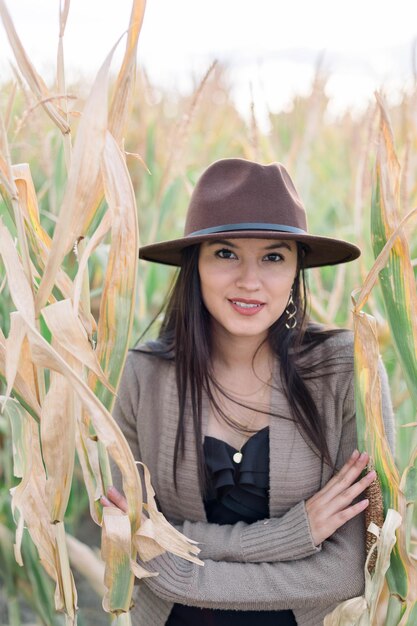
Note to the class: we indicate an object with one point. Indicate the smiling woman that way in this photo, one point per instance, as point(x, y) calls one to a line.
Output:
point(243, 410)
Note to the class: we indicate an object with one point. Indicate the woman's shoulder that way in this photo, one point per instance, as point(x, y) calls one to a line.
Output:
point(324, 344)
point(336, 338)
point(146, 363)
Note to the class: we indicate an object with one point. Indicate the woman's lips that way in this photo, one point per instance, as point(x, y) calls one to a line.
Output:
point(247, 307)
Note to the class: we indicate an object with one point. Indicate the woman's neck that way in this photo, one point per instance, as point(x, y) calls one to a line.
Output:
point(238, 356)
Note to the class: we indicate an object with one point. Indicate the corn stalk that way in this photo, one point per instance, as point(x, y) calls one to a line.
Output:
point(59, 378)
point(399, 492)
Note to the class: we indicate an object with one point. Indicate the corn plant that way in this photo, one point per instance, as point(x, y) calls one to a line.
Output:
point(391, 586)
point(61, 367)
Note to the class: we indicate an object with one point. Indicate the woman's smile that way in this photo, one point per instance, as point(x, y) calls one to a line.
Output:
point(246, 283)
point(246, 307)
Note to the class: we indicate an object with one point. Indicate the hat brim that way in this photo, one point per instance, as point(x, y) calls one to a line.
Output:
point(319, 251)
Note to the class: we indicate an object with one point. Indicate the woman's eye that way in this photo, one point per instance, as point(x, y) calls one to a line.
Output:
point(274, 257)
point(225, 253)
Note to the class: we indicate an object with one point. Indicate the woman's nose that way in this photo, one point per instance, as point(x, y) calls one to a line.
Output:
point(248, 277)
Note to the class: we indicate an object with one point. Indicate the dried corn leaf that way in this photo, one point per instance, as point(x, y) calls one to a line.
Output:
point(361, 611)
point(21, 436)
point(31, 76)
point(97, 237)
point(88, 456)
point(83, 174)
point(384, 545)
point(63, 16)
point(123, 91)
point(371, 430)
point(352, 612)
point(118, 298)
point(107, 430)
point(28, 202)
point(19, 287)
point(70, 334)
point(29, 499)
point(21, 428)
point(122, 99)
point(6, 178)
point(116, 553)
point(155, 535)
point(65, 588)
point(14, 344)
point(23, 389)
point(39, 240)
point(58, 452)
point(45, 356)
point(109, 433)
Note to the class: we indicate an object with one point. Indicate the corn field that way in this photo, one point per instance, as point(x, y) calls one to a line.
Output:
point(81, 179)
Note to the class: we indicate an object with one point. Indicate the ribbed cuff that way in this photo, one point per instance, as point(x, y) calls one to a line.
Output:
point(288, 538)
point(175, 576)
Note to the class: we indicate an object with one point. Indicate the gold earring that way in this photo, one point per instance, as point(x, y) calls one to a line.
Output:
point(291, 312)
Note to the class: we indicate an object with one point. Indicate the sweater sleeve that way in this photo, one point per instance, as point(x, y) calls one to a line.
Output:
point(277, 539)
point(332, 575)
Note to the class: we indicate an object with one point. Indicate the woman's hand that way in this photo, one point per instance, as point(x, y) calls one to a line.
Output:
point(331, 507)
point(114, 498)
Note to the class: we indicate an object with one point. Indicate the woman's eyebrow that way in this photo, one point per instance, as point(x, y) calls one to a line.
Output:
point(277, 245)
point(225, 242)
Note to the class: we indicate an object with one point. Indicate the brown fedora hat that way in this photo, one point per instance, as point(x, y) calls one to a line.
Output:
point(236, 198)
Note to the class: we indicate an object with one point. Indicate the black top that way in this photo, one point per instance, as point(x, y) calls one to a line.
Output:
point(237, 492)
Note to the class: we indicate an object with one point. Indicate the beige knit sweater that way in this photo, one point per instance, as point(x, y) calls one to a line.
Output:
point(270, 564)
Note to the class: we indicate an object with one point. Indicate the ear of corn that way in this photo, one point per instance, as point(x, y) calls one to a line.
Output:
point(374, 514)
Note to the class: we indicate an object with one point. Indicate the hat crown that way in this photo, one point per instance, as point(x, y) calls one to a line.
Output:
point(237, 191)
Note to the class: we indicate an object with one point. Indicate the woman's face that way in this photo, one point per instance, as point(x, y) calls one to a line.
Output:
point(246, 283)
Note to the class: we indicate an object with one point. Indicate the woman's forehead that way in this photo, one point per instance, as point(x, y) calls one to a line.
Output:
point(252, 243)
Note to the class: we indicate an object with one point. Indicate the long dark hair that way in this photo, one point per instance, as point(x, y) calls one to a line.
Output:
point(185, 337)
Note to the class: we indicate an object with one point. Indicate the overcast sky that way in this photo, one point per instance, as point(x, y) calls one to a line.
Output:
point(270, 45)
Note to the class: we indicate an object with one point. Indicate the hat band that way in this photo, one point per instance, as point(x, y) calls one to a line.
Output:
point(248, 226)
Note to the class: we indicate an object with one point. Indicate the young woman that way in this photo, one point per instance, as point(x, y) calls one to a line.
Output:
point(244, 412)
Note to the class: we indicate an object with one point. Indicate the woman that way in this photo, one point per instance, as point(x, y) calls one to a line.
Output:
point(244, 412)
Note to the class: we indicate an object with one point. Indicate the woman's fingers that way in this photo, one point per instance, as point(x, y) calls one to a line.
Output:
point(357, 488)
point(331, 507)
point(351, 470)
point(114, 498)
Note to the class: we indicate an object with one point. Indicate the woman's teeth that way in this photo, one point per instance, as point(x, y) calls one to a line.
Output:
point(245, 305)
